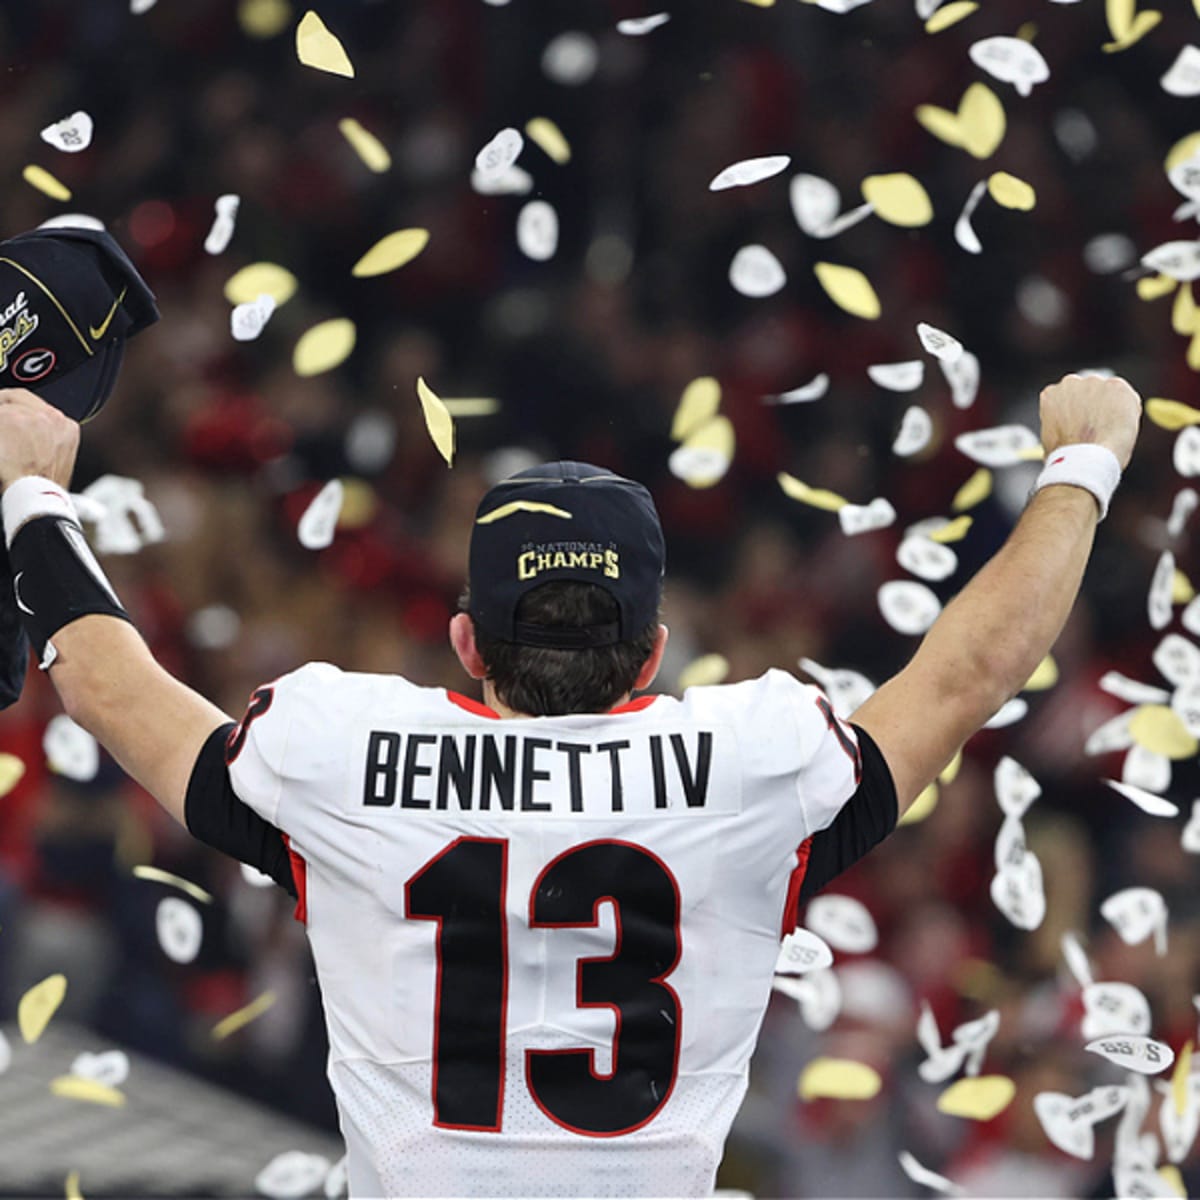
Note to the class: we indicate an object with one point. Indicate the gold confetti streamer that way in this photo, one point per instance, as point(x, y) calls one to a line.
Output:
point(366, 145)
point(544, 133)
point(246, 285)
point(921, 807)
point(705, 671)
point(1183, 312)
point(157, 875)
point(949, 773)
point(438, 421)
point(977, 127)
point(797, 489)
point(1045, 675)
point(952, 531)
point(1154, 287)
point(316, 47)
point(391, 252)
point(949, 15)
point(75, 1087)
point(47, 184)
point(898, 199)
point(1171, 414)
point(838, 1079)
point(1179, 1079)
point(1126, 25)
point(71, 1188)
point(977, 489)
point(243, 1016)
point(849, 289)
point(699, 403)
point(38, 1005)
point(324, 346)
point(1010, 192)
point(978, 1099)
point(471, 406)
point(1182, 591)
point(12, 770)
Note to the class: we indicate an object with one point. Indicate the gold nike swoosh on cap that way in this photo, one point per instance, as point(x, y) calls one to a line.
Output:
point(98, 331)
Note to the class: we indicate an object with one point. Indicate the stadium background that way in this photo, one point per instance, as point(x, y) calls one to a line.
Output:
point(588, 355)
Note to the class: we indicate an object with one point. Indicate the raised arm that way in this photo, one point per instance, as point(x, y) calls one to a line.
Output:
point(987, 642)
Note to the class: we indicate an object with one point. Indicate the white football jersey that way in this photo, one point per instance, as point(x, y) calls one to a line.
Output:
point(544, 945)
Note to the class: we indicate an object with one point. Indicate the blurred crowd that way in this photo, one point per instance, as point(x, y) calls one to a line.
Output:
point(587, 356)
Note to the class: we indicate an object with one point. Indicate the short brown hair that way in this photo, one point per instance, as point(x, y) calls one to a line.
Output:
point(541, 682)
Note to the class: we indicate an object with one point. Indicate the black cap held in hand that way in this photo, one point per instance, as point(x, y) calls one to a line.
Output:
point(566, 520)
point(68, 300)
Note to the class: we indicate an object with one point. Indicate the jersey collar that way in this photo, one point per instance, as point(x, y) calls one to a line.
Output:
point(482, 710)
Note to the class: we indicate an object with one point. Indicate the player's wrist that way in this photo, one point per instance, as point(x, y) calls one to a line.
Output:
point(32, 496)
point(1087, 465)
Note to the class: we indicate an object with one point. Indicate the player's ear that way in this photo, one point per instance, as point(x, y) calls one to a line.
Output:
point(462, 638)
point(650, 666)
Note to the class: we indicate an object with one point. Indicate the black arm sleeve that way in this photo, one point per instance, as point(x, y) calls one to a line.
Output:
point(863, 822)
point(216, 817)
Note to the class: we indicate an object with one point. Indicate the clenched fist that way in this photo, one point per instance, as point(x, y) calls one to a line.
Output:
point(35, 439)
point(1081, 408)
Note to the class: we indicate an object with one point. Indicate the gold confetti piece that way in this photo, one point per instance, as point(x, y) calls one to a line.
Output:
point(949, 15)
point(797, 489)
point(516, 506)
point(1179, 1079)
point(1183, 312)
point(1010, 192)
point(549, 137)
point(471, 406)
point(921, 807)
point(157, 875)
point(75, 1087)
point(1153, 287)
point(763, 3)
point(12, 769)
point(1126, 25)
point(952, 531)
point(1028, 31)
point(71, 1190)
point(40, 178)
point(1171, 414)
point(705, 671)
point(977, 127)
point(38, 1005)
point(391, 252)
point(316, 47)
point(1170, 1174)
point(976, 490)
point(978, 1099)
point(1159, 729)
point(949, 773)
point(1183, 149)
point(243, 1016)
point(359, 504)
point(264, 18)
point(366, 145)
point(898, 198)
point(699, 403)
point(838, 1079)
point(324, 346)
point(1193, 353)
point(704, 457)
point(849, 289)
point(438, 421)
point(1045, 675)
point(1182, 591)
point(246, 285)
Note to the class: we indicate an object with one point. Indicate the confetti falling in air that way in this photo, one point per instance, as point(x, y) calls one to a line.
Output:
point(639, 26)
point(699, 403)
point(38, 1005)
point(47, 184)
point(316, 47)
point(180, 929)
point(537, 230)
point(247, 321)
point(978, 1099)
point(748, 171)
point(71, 1187)
point(977, 126)
point(498, 156)
point(545, 133)
point(438, 421)
point(908, 607)
point(246, 285)
point(70, 750)
point(91, 1091)
point(849, 289)
point(838, 1079)
point(366, 145)
point(242, 1017)
point(755, 272)
point(706, 454)
point(158, 875)
point(1171, 414)
point(1126, 24)
point(1134, 1052)
point(319, 522)
point(950, 14)
point(814, 389)
point(975, 491)
point(843, 922)
point(904, 376)
point(291, 1174)
point(899, 199)
point(924, 1177)
point(1010, 192)
point(224, 222)
point(705, 671)
point(12, 771)
point(70, 135)
point(803, 951)
point(324, 346)
point(391, 253)
point(797, 489)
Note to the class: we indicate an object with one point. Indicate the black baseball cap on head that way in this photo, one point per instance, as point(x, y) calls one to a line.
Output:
point(566, 520)
point(69, 297)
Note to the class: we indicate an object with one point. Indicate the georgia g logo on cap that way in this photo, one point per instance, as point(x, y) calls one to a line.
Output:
point(34, 365)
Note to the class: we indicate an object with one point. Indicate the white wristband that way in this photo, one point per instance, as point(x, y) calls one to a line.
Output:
point(32, 496)
point(1083, 465)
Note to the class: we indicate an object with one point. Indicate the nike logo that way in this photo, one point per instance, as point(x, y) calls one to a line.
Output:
point(98, 331)
point(17, 595)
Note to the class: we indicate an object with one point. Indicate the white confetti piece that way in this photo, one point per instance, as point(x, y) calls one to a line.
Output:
point(1183, 506)
point(500, 153)
point(1179, 1129)
point(926, 558)
point(846, 220)
point(571, 58)
point(537, 231)
point(1162, 586)
point(864, 518)
point(1134, 1053)
point(72, 221)
point(1137, 913)
point(706, 455)
point(70, 750)
point(1009, 713)
point(939, 343)
point(292, 1175)
point(256, 878)
point(1132, 691)
point(803, 951)
point(915, 433)
point(748, 171)
point(248, 320)
point(224, 221)
point(964, 231)
point(129, 519)
point(1183, 76)
point(1185, 455)
point(1108, 253)
point(818, 995)
point(1111, 737)
point(110, 1068)
point(967, 1048)
point(71, 134)
point(1156, 806)
point(1114, 1008)
point(815, 203)
point(962, 374)
point(1189, 838)
point(318, 524)
point(1184, 176)
point(756, 272)
point(1190, 618)
point(843, 922)
point(1178, 260)
point(1017, 888)
point(515, 181)
point(180, 929)
point(999, 446)
point(814, 389)
point(1146, 769)
point(898, 376)
point(1069, 1122)
point(924, 1177)
point(337, 1181)
point(908, 607)
point(137, 7)
point(1077, 960)
point(1016, 789)
point(638, 26)
point(847, 690)
point(1011, 60)
point(1177, 659)
point(5, 1053)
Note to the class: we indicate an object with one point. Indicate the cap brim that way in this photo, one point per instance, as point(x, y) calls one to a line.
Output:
point(81, 392)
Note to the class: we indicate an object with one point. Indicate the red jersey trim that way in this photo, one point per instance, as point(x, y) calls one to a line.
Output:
point(300, 878)
point(791, 907)
point(482, 710)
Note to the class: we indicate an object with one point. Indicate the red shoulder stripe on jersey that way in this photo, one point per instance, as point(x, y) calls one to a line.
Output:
point(472, 706)
point(300, 878)
point(634, 705)
point(846, 742)
point(791, 907)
